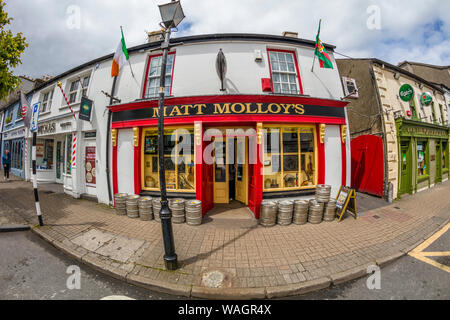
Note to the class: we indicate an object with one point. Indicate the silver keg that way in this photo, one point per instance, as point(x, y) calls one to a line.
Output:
point(156, 202)
point(330, 210)
point(120, 203)
point(177, 208)
point(285, 211)
point(300, 211)
point(193, 210)
point(145, 208)
point(268, 213)
point(315, 214)
point(323, 192)
point(132, 206)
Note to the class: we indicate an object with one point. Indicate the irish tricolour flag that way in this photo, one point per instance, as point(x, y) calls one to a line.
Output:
point(321, 52)
point(120, 57)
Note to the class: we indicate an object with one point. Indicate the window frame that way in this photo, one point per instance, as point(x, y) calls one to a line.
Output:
point(79, 91)
point(299, 153)
point(346, 91)
point(297, 69)
point(150, 57)
point(47, 103)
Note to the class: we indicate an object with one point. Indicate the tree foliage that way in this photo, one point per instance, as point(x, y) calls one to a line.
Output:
point(11, 48)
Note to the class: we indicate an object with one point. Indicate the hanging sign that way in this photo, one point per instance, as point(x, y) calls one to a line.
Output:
point(406, 92)
point(85, 109)
point(426, 98)
point(346, 199)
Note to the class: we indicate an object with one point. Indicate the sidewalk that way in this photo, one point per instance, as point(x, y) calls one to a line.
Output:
point(233, 258)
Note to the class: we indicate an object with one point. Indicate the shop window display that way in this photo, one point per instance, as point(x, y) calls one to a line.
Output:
point(44, 154)
point(421, 158)
point(178, 159)
point(289, 158)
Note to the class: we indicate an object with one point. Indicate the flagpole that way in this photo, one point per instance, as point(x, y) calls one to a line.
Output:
point(129, 63)
point(315, 48)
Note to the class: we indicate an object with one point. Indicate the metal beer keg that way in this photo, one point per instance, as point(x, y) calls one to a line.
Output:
point(193, 210)
point(330, 210)
point(132, 206)
point(300, 211)
point(323, 192)
point(177, 208)
point(156, 202)
point(315, 211)
point(120, 203)
point(145, 208)
point(285, 210)
point(268, 213)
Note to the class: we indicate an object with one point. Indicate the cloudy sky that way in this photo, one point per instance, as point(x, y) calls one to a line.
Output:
point(65, 33)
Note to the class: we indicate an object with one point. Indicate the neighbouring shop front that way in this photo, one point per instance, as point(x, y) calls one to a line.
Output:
point(14, 141)
point(423, 155)
point(242, 148)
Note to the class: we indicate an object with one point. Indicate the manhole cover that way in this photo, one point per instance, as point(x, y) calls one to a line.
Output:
point(215, 279)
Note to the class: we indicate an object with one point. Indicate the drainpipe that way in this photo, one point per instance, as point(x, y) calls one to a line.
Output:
point(108, 132)
point(387, 186)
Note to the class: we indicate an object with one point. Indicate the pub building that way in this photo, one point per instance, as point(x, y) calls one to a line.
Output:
point(272, 127)
point(399, 129)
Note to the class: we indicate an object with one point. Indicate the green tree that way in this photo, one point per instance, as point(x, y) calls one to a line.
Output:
point(11, 48)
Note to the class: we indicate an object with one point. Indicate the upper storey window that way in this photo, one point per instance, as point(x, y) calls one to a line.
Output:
point(152, 82)
point(284, 72)
point(77, 89)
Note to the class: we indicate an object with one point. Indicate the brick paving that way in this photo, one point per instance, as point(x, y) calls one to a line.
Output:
point(257, 262)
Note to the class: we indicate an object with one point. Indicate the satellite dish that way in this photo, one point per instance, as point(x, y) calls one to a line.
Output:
point(221, 68)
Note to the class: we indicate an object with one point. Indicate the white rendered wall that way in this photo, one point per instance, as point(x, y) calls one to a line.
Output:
point(333, 158)
point(125, 161)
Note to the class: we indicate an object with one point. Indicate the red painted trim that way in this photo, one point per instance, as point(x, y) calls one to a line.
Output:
point(321, 158)
point(137, 166)
point(114, 166)
point(344, 162)
point(300, 87)
point(269, 98)
point(150, 57)
point(220, 120)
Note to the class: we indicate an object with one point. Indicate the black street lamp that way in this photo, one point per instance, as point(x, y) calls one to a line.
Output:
point(171, 14)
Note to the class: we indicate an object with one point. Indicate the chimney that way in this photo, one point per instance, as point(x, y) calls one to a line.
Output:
point(290, 34)
point(155, 36)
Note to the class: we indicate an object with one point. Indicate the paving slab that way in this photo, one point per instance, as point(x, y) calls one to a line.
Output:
point(120, 248)
point(93, 239)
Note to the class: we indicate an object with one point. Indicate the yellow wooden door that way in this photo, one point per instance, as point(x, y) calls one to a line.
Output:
point(221, 191)
point(241, 179)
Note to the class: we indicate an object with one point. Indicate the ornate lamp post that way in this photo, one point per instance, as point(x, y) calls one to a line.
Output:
point(171, 14)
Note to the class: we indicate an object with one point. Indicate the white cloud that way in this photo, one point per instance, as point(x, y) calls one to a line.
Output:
point(406, 27)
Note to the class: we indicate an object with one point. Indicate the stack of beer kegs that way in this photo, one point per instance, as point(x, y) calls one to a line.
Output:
point(315, 211)
point(285, 210)
point(132, 206)
point(300, 212)
point(268, 213)
point(145, 208)
point(177, 208)
point(330, 210)
point(156, 208)
point(120, 203)
point(193, 209)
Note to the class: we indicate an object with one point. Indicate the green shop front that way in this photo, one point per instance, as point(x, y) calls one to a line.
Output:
point(423, 155)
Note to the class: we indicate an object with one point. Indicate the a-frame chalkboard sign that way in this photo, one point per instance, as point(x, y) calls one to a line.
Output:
point(346, 199)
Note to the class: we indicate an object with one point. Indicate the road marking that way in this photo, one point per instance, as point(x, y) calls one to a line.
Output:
point(421, 255)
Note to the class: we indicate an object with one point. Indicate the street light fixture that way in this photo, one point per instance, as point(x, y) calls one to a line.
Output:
point(171, 14)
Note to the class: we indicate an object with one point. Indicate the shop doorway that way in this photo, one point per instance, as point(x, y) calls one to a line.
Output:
point(405, 167)
point(89, 168)
point(231, 169)
point(438, 163)
point(59, 161)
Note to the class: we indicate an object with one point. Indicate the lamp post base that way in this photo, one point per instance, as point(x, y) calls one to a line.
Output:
point(171, 262)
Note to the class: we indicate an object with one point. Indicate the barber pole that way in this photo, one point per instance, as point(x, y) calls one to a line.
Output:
point(74, 146)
